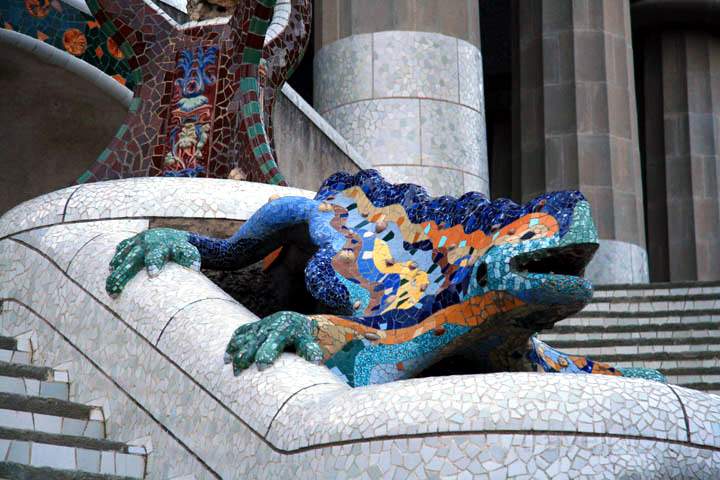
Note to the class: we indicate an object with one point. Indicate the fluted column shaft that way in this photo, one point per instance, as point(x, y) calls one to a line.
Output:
point(682, 97)
point(576, 121)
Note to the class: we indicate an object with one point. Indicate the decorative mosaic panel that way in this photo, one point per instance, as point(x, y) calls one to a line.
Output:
point(190, 113)
point(149, 52)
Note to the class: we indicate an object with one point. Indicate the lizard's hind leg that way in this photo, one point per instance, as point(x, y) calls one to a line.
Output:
point(551, 360)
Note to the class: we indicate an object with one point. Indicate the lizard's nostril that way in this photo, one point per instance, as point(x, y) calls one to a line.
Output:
point(481, 275)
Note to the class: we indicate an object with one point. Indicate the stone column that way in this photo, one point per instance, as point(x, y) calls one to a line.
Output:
point(682, 148)
point(401, 80)
point(576, 121)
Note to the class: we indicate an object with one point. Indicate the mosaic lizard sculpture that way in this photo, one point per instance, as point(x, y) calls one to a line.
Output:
point(405, 279)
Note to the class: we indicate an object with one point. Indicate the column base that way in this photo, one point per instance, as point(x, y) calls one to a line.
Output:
point(618, 262)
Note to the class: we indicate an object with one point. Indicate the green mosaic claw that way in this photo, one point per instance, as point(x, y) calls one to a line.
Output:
point(150, 249)
point(263, 341)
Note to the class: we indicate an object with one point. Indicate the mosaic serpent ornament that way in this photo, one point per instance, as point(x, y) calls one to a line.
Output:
point(404, 280)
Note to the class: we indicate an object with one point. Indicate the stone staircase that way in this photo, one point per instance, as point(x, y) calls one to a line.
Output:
point(672, 327)
point(43, 435)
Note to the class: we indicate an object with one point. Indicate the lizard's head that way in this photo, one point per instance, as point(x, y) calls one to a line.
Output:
point(539, 257)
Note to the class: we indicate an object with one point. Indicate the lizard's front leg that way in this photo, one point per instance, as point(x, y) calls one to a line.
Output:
point(263, 341)
point(316, 338)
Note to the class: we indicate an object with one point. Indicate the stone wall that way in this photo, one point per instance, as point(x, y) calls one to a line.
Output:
point(54, 125)
point(308, 149)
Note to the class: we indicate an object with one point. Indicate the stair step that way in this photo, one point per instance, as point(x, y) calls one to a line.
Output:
point(685, 380)
point(671, 327)
point(662, 361)
point(567, 326)
point(682, 335)
point(8, 343)
point(64, 440)
point(35, 451)
point(704, 312)
point(39, 388)
point(11, 470)
point(639, 307)
point(49, 406)
point(12, 351)
point(692, 371)
point(51, 423)
point(688, 343)
point(601, 297)
point(638, 352)
point(673, 288)
point(26, 371)
point(660, 356)
point(15, 356)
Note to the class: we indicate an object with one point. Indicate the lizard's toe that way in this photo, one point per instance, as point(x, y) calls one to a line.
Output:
point(263, 366)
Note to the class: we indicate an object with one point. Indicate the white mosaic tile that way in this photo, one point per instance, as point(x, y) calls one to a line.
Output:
point(405, 64)
point(703, 412)
point(395, 64)
point(324, 126)
point(472, 183)
point(445, 455)
point(196, 339)
point(441, 427)
point(85, 322)
point(516, 401)
point(281, 15)
point(471, 76)
point(382, 131)
point(453, 136)
point(147, 304)
point(44, 210)
point(437, 70)
point(173, 197)
point(618, 262)
point(62, 242)
point(343, 72)
point(493, 456)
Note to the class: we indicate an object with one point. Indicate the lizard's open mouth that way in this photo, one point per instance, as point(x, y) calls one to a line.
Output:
point(568, 260)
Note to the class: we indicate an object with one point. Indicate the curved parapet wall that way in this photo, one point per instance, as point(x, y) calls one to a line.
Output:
point(155, 355)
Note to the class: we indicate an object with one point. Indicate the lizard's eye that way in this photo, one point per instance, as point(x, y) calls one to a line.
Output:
point(481, 275)
point(527, 235)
